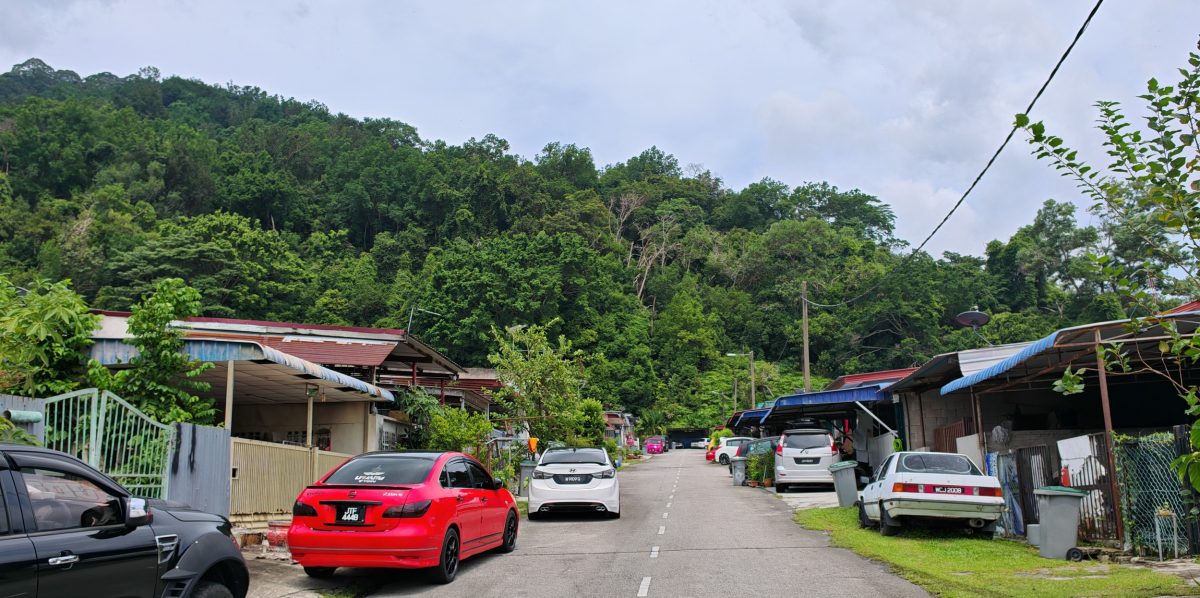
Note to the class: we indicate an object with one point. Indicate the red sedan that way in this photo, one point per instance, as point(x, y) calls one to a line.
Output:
point(402, 510)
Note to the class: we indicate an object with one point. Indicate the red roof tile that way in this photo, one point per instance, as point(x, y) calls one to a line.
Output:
point(333, 352)
point(1186, 307)
point(866, 377)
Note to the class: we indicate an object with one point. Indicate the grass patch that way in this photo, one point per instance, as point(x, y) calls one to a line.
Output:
point(523, 507)
point(946, 563)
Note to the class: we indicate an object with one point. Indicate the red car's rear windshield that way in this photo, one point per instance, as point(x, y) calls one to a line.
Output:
point(391, 470)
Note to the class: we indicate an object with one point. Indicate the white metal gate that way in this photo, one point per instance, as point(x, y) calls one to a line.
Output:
point(111, 435)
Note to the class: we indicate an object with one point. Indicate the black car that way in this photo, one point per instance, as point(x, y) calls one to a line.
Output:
point(69, 530)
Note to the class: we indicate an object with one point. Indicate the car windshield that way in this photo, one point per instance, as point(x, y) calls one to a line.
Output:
point(806, 440)
point(392, 470)
point(933, 463)
point(575, 456)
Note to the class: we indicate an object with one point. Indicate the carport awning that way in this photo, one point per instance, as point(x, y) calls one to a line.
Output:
point(753, 417)
point(789, 407)
point(280, 370)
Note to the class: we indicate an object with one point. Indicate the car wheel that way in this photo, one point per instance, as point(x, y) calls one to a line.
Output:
point(614, 514)
point(320, 572)
point(724, 459)
point(447, 566)
point(887, 525)
point(510, 533)
point(533, 515)
point(864, 521)
point(780, 488)
point(209, 589)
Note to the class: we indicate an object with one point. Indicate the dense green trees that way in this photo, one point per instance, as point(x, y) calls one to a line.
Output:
point(274, 208)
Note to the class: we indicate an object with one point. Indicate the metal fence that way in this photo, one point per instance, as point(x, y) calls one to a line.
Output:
point(1097, 520)
point(1033, 472)
point(1152, 498)
point(267, 478)
point(198, 473)
point(111, 435)
point(945, 438)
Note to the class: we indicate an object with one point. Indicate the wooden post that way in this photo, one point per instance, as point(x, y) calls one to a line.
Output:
point(1108, 441)
point(979, 430)
point(413, 365)
point(229, 395)
point(804, 329)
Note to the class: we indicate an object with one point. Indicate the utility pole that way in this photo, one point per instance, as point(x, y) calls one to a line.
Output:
point(752, 384)
point(804, 328)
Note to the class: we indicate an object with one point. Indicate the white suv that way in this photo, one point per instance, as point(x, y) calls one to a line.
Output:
point(804, 456)
point(728, 448)
point(575, 479)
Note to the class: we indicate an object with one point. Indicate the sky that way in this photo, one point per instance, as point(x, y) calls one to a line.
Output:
point(903, 100)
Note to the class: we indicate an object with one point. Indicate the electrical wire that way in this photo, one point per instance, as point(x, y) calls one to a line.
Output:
point(979, 177)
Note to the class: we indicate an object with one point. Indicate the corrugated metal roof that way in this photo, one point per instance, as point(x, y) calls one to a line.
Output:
point(853, 380)
point(331, 352)
point(117, 352)
point(753, 417)
point(790, 406)
point(999, 368)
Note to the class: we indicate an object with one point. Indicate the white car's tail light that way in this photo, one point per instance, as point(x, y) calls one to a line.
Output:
point(607, 473)
point(541, 475)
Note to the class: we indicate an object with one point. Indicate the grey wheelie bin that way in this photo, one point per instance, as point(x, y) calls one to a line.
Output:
point(844, 482)
point(739, 470)
point(1058, 517)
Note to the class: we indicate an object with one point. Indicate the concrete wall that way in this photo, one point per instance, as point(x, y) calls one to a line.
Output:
point(929, 411)
point(349, 424)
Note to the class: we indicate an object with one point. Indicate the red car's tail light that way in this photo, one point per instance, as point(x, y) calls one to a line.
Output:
point(990, 492)
point(412, 509)
point(898, 487)
point(303, 510)
point(779, 447)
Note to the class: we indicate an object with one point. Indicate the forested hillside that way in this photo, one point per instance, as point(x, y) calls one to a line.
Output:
point(280, 209)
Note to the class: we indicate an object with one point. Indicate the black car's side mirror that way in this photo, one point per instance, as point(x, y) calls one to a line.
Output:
point(497, 483)
point(136, 513)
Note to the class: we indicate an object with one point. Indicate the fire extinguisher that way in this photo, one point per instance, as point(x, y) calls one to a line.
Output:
point(1066, 476)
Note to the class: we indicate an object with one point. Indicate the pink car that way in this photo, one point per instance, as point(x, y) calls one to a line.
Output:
point(654, 445)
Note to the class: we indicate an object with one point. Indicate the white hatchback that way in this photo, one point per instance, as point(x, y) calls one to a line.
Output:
point(575, 479)
point(945, 487)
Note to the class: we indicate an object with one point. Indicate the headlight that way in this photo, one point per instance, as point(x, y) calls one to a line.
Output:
point(541, 475)
point(607, 473)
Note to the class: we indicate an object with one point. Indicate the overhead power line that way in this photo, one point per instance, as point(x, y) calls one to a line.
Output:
point(1028, 109)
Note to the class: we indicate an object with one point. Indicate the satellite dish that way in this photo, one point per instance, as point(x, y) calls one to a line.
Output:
point(972, 319)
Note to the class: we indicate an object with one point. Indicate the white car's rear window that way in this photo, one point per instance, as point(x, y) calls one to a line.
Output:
point(806, 440)
point(948, 464)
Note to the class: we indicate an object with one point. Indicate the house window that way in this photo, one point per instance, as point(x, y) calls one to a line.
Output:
point(321, 438)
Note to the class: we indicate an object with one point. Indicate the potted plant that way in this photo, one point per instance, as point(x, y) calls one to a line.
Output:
point(754, 473)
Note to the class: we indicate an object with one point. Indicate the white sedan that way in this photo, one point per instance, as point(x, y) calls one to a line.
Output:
point(942, 487)
point(575, 479)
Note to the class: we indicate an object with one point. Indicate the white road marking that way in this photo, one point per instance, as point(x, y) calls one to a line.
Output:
point(662, 529)
point(665, 515)
point(668, 505)
point(654, 552)
point(644, 589)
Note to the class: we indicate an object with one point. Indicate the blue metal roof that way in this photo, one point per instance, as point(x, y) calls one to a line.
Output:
point(1011, 362)
point(117, 352)
point(829, 397)
point(753, 417)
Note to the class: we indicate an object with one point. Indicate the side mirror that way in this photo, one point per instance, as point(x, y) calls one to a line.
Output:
point(136, 513)
point(497, 483)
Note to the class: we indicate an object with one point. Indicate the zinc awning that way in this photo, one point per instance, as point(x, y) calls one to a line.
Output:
point(753, 417)
point(826, 402)
point(264, 375)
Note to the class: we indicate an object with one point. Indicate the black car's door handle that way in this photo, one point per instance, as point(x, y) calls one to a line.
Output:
point(459, 498)
point(66, 559)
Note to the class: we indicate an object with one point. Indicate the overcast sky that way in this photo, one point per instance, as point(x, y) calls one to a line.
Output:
point(905, 100)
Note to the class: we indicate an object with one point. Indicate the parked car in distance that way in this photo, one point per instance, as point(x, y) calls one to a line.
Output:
point(699, 444)
point(941, 487)
point(756, 446)
point(655, 445)
point(803, 457)
point(73, 531)
point(402, 510)
point(727, 448)
point(710, 454)
point(575, 479)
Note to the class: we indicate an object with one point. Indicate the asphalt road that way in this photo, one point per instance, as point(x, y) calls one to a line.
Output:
point(685, 530)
